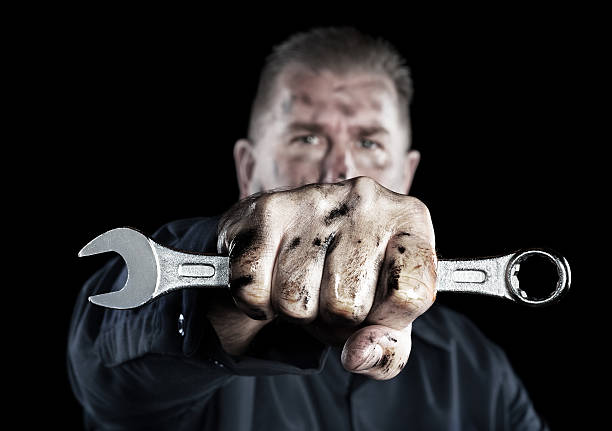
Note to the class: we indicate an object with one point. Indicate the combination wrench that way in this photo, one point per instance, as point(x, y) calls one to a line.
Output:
point(154, 270)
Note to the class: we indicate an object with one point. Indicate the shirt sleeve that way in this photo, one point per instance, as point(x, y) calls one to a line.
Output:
point(130, 368)
point(513, 399)
point(451, 351)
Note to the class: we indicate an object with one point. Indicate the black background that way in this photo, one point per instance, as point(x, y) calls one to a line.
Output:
point(138, 114)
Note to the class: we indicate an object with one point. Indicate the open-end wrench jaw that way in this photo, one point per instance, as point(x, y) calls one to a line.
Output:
point(139, 255)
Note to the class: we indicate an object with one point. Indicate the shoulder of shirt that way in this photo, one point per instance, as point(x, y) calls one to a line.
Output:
point(450, 330)
point(193, 234)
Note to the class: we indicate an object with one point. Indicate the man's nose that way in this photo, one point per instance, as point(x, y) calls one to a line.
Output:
point(337, 164)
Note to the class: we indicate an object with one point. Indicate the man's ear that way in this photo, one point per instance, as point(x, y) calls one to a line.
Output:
point(411, 161)
point(245, 164)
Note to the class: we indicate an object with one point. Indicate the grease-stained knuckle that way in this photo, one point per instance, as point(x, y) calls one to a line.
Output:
point(416, 206)
point(265, 203)
point(223, 231)
point(365, 185)
point(233, 221)
point(228, 230)
point(311, 192)
point(410, 276)
point(359, 199)
point(248, 250)
point(246, 206)
point(294, 291)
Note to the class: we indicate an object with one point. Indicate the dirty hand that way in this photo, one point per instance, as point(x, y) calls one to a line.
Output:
point(352, 261)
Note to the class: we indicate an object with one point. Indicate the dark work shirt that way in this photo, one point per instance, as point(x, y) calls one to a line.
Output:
point(161, 366)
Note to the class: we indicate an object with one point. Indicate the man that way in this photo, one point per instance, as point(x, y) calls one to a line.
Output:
point(331, 265)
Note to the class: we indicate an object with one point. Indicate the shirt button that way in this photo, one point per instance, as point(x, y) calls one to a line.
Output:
point(181, 325)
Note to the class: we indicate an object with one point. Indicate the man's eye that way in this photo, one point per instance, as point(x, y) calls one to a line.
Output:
point(368, 144)
point(307, 140)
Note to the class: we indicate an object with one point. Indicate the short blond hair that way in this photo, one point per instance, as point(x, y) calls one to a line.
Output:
point(339, 49)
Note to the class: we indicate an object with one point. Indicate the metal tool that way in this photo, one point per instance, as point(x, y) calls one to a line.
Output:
point(154, 270)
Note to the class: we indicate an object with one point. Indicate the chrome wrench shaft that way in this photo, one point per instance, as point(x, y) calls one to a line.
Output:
point(154, 270)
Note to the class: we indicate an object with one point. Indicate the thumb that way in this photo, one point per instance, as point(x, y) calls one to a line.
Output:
point(377, 351)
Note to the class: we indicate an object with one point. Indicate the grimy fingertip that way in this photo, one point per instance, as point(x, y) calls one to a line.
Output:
point(377, 351)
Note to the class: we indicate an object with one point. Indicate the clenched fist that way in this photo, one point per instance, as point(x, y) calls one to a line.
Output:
point(352, 261)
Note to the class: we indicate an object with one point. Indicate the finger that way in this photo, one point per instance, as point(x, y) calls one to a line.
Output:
point(297, 277)
point(349, 276)
point(407, 285)
point(377, 351)
point(251, 244)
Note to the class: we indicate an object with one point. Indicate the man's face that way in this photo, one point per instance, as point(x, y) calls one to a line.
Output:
point(324, 127)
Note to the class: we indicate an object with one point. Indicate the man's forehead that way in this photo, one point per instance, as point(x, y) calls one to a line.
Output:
point(300, 85)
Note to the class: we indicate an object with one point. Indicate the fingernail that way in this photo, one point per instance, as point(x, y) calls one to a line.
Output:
point(372, 359)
